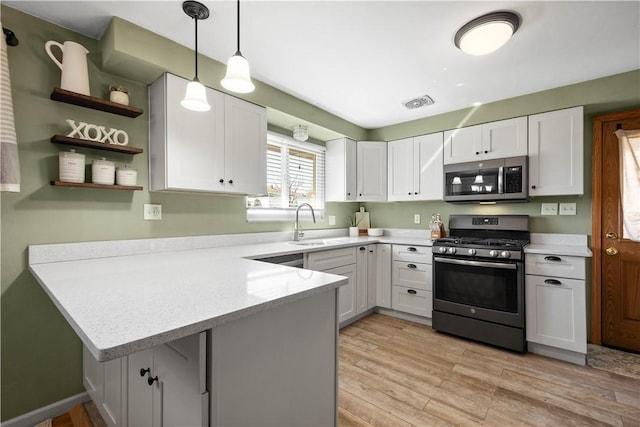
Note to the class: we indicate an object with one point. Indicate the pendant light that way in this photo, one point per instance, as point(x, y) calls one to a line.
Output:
point(195, 98)
point(487, 33)
point(238, 77)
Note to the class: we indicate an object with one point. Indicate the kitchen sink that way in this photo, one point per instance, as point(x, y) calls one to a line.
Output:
point(308, 243)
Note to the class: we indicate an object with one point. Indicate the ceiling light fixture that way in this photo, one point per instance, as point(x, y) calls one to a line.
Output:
point(487, 33)
point(195, 97)
point(300, 133)
point(238, 77)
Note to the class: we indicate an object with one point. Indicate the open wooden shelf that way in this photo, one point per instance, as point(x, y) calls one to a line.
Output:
point(77, 142)
point(86, 101)
point(100, 186)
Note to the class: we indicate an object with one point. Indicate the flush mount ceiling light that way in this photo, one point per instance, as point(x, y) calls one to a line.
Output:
point(487, 33)
point(300, 133)
point(422, 101)
point(238, 77)
point(195, 98)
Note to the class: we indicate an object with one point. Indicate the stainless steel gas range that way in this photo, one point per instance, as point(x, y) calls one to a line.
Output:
point(478, 279)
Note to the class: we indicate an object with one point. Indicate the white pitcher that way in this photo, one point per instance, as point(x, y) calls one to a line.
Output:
point(75, 75)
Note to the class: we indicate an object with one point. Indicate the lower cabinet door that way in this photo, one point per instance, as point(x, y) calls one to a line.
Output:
point(114, 401)
point(347, 307)
point(412, 300)
point(140, 405)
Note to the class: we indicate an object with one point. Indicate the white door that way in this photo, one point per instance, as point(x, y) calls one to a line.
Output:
point(429, 173)
point(193, 140)
point(556, 147)
point(401, 169)
point(362, 273)
point(463, 145)
point(347, 293)
point(383, 275)
point(504, 138)
point(140, 403)
point(372, 275)
point(340, 170)
point(245, 167)
point(371, 167)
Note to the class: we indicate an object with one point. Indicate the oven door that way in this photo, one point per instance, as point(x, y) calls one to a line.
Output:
point(487, 290)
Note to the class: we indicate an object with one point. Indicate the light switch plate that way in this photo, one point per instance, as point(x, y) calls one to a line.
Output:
point(332, 220)
point(152, 212)
point(416, 219)
point(567, 208)
point(549, 209)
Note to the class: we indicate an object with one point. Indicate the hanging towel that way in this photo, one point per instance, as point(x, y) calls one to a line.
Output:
point(9, 162)
point(630, 182)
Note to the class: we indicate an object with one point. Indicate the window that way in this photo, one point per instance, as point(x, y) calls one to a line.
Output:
point(295, 175)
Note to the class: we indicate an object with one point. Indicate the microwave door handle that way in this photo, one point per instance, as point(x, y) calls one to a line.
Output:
point(500, 180)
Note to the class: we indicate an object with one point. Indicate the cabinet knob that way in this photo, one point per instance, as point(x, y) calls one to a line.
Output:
point(151, 379)
point(412, 266)
point(221, 181)
point(416, 193)
point(477, 153)
point(412, 291)
point(348, 194)
point(409, 193)
point(533, 187)
point(553, 282)
point(553, 258)
point(486, 151)
point(144, 371)
point(411, 249)
point(362, 248)
point(360, 194)
point(230, 181)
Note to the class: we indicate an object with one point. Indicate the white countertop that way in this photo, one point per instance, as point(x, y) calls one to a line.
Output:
point(559, 244)
point(122, 297)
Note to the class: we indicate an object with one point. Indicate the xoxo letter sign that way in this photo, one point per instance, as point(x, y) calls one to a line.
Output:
point(91, 132)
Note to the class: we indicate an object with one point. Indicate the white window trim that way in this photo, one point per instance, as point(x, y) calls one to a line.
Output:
point(288, 214)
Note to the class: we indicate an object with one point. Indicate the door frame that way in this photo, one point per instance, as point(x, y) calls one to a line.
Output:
point(596, 220)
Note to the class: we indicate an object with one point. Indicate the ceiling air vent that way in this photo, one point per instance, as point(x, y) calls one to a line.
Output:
point(422, 101)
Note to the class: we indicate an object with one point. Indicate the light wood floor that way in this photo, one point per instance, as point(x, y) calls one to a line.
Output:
point(398, 373)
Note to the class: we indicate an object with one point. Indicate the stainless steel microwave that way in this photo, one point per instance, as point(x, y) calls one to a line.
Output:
point(497, 180)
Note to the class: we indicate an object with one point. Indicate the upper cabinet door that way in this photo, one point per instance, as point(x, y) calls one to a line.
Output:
point(463, 145)
point(340, 170)
point(504, 138)
point(429, 174)
point(401, 166)
point(371, 167)
point(183, 144)
point(556, 149)
point(245, 170)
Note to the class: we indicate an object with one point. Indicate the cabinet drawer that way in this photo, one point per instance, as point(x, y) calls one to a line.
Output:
point(410, 300)
point(555, 265)
point(323, 260)
point(412, 275)
point(412, 253)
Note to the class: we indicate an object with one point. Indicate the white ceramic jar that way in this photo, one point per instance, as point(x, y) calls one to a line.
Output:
point(103, 172)
point(71, 166)
point(126, 176)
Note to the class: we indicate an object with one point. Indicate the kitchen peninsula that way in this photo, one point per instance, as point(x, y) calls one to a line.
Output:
point(264, 336)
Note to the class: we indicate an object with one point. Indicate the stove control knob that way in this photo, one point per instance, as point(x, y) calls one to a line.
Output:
point(471, 252)
point(452, 251)
point(442, 250)
point(493, 253)
point(505, 254)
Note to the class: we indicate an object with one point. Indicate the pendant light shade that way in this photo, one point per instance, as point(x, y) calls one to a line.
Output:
point(487, 33)
point(195, 98)
point(238, 76)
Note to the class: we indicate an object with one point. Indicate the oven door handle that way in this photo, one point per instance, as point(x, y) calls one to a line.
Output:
point(505, 266)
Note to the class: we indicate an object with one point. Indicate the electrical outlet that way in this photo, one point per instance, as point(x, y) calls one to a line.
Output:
point(332, 220)
point(416, 219)
point(549, 209)
point(152, 212)
point(567, 208)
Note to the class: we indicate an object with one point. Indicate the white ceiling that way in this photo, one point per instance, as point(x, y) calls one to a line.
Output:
point(361, 59)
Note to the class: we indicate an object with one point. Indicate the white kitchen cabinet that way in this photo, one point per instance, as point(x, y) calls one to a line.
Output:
point(347, 294)
point(340, 170)
point(371, 167)
point(220, 150)
point(106, 383)
point(415, 168)
point(411, 280)
point(556, 302)
point(494, 140)
point(556, 153)
point(383, 275)
point(177, 394)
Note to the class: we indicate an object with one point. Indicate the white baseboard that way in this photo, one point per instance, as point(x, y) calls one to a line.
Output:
point(50, 411)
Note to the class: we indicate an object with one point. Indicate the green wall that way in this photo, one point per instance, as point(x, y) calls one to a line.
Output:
point(41, 359)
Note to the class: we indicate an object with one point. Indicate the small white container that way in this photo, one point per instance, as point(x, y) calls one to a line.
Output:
point(103, 172)
point(375, 232)
point(126, 176)
point(71, 166)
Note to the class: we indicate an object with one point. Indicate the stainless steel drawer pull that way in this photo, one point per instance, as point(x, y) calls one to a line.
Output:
point(412, 291)
point(553, 282)
point(553, 258)
point(412, 249)
point(412, 266)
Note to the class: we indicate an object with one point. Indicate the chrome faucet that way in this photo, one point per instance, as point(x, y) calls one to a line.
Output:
point(297, 233)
